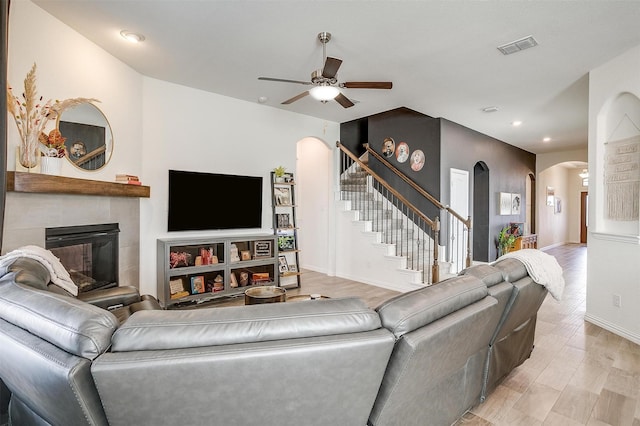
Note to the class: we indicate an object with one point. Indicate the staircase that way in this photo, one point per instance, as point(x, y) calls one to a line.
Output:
point(377, 242)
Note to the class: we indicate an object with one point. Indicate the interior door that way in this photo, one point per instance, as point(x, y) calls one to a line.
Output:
point(459, 202)
point(584, 216)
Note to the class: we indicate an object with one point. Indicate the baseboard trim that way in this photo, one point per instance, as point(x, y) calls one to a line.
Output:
point(315, 269)
point(613, 328)
point(545, 248)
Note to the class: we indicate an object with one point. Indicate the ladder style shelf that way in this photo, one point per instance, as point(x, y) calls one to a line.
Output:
point(283, 201)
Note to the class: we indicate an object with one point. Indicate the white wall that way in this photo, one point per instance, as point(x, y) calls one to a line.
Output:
point(551, 227)
point(544, 161)
point(189, 129)
point(159, 125)
point(70, 66)
point(315, 201)
point(77, 69)
point(614, 249)
point(549, 172)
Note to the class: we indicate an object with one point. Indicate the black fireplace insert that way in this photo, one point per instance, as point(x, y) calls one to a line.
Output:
point(88, 252)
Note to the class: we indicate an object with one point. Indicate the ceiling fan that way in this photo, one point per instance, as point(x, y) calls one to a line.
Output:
point(325, 82)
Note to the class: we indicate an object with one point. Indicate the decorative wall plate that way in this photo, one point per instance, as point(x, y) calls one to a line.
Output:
point(417, 160)
point(388, 147)
point(402, 152)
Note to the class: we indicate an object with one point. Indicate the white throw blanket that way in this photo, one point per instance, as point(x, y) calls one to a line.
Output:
point(58, 273)
point(542, 268)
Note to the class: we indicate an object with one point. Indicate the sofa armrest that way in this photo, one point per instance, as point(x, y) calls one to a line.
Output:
point(111, 298)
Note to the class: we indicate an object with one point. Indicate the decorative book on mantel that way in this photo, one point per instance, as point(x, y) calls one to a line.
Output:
point(128, 179)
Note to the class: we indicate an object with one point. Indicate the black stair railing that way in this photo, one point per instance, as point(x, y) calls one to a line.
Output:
point(396, 219)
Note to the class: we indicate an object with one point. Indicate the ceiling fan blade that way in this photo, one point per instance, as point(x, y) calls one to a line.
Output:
point(344, 101)
point(331, 66)
point(282, 80)
point(367, 85)
point(295, 98)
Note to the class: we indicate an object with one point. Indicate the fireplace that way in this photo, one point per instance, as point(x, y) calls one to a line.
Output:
point(88, 252)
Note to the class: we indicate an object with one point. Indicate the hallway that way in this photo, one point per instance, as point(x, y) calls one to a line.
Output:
point(578, 373)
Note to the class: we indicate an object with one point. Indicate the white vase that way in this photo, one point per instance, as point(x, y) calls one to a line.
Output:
point(51, 165)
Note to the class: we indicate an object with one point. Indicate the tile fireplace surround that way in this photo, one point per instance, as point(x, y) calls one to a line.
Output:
point(28, 214)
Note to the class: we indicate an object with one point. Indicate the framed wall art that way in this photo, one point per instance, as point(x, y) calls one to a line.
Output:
point(550, 195)
point(516, 201)
point(505, 203)
point(388, 147)
point(417, 160)
point(402, 152)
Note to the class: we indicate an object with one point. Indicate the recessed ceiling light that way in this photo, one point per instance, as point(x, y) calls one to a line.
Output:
point(131, 36)
point(490, 109)
point(516, 123)
point(547, 139)
point(262, 99)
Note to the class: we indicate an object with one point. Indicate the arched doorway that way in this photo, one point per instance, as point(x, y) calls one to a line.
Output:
point(480, 224)
point(314, 196)
point(530, 217)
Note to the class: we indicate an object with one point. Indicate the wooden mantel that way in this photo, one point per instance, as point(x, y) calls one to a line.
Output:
point(49, 184)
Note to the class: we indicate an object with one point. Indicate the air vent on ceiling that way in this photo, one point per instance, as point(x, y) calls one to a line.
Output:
point(518, 45)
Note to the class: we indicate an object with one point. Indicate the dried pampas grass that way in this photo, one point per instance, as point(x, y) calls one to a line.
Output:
point(30, 113)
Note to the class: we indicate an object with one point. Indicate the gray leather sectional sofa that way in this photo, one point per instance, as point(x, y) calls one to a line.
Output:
point(420, 358)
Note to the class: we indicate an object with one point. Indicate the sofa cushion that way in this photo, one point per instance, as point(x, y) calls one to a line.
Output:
point(78, 328)
point(512, 269)
point(487, 273)
point(409, 311)
point(174, 329)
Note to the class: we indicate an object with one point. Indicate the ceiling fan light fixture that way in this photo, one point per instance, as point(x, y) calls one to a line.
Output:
point(324, 93)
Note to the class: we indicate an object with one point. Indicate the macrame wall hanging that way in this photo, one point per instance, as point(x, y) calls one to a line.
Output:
point(622, 176)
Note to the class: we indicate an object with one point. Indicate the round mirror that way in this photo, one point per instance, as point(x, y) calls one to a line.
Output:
point(89, 140)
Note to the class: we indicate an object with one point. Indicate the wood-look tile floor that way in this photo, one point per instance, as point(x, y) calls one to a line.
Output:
point(578, 373)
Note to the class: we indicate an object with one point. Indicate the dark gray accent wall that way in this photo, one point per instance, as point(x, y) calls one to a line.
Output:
point(353, 134)
point(419, 131)
point(508, 166)
point(500, 167)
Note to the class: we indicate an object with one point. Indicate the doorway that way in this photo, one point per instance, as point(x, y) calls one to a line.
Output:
point(584, 216)
point(459, 182)
point(530, 217)
point(480, 213)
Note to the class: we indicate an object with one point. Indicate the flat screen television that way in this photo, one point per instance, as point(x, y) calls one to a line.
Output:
point(208, 201)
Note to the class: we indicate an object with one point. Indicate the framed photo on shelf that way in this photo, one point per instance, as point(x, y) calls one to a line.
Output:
point(244, 278)
point(176, 285)
point(293, 268)
point(282, 196)
point(286, 242)
point(262, 249)
point(284, 220)
point(245, 255)
point(283, 266)
point(197, 284)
